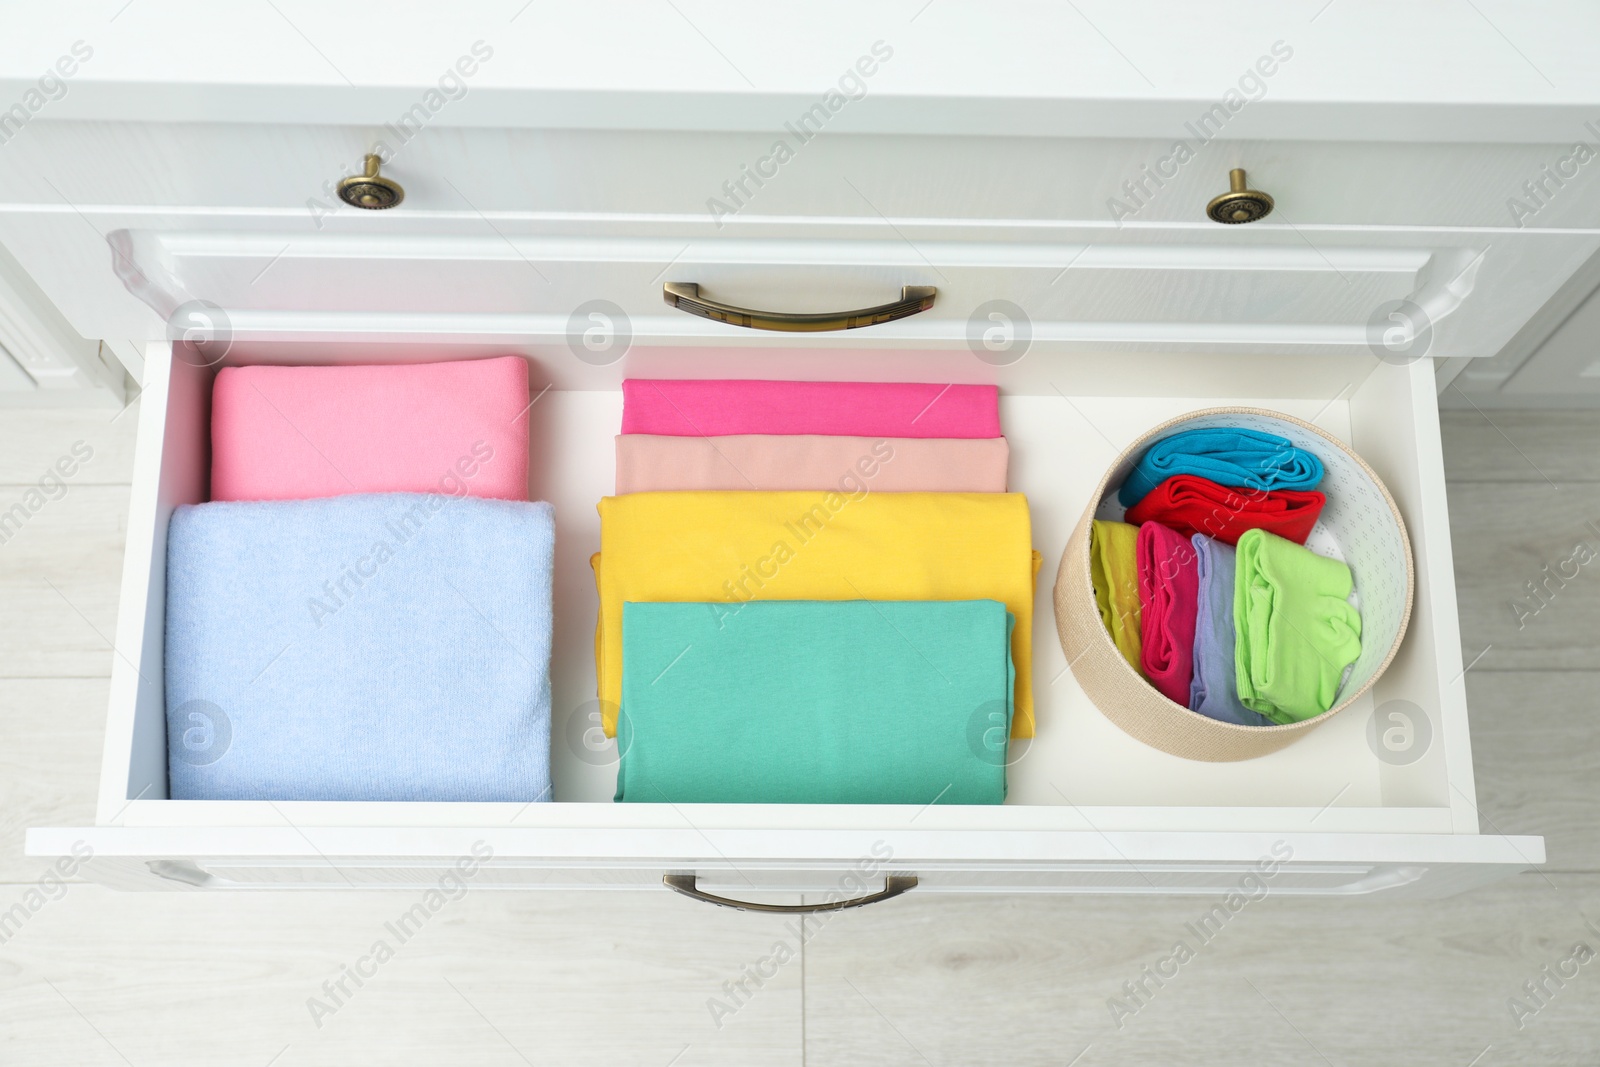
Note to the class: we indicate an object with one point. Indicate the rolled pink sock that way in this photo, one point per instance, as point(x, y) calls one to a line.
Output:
point(1169, 602)
point(712, 408)
point(293, 433)
point(651, 463)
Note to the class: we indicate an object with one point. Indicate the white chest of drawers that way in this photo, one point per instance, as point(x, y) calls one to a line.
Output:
point(548, 203)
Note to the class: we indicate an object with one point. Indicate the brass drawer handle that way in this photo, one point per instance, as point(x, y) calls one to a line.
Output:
point(685, 296)
point(893, 886)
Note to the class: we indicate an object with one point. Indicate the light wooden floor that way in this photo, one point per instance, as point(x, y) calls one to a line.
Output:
point(98, 977)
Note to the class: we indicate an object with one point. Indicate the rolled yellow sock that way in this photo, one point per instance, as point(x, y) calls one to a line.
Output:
point(1115, 572)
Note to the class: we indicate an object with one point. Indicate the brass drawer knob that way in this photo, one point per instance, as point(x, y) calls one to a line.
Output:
point(1239, 204)
point(370, 190)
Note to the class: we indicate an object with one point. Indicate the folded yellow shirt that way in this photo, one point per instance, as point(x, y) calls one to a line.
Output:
point(727, 548)
point(1115, 572)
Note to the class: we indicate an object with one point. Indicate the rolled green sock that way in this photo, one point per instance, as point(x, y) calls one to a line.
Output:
point(815, 702)
point(1295, 629)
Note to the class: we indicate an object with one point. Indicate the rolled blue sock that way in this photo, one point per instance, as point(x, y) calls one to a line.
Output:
point(1230, 456)
point(1212, 691)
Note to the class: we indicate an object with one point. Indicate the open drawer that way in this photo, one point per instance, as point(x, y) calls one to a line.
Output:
point(1380, 798)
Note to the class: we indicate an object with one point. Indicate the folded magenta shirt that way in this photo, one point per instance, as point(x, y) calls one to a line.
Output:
point(712, 408)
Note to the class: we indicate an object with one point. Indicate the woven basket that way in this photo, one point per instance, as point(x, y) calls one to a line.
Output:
point(1360, 524)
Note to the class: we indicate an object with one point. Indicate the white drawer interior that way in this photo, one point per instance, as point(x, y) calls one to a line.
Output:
point(1065, 417)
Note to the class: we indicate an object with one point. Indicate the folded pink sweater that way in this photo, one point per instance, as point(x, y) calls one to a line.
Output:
point(650, 463)
point(286, 433)
point(711, 408)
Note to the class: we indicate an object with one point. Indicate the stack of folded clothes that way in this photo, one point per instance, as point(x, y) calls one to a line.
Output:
point(1207, 588)
point(813, 592)
point(324, 605)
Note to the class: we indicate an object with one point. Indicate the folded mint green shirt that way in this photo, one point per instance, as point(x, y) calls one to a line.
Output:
point(815, 702)
point(1295, 630)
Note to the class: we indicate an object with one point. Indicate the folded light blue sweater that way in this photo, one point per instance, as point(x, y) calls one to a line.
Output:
point(385, 647)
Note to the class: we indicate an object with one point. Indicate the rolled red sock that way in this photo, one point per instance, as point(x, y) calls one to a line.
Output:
point(1169, 598)
point(1191, 505)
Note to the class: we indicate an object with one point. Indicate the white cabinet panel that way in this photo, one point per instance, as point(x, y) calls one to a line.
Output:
point(1567, 364)
point(510, 231)
point(1080, 288)
point(1031, 178)
point(13, 379)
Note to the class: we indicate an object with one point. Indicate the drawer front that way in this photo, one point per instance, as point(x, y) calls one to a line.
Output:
point(819, 865)
point(1060, 289)
point(729, 177)
point(521, 233)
